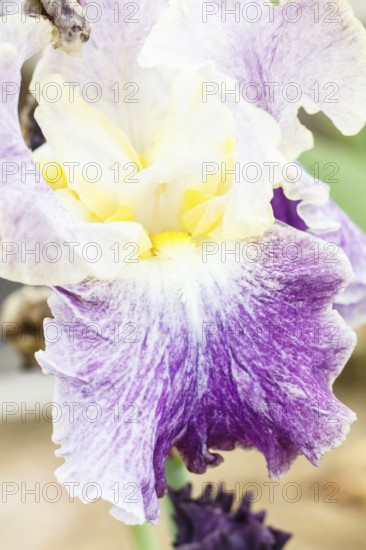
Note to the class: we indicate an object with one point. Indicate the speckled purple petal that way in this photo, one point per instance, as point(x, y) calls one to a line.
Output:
point(309, 208)
point(211, 354)
point(282, 57)
point(352, 302)
point(269, 364)
point(140, 372)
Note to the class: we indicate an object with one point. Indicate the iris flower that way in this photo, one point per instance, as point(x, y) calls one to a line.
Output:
point(184, 312)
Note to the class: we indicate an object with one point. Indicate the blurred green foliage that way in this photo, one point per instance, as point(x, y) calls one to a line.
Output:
point(332, 152)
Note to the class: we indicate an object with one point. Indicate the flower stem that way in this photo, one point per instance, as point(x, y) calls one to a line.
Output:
point(145, 537)
point(177, 477)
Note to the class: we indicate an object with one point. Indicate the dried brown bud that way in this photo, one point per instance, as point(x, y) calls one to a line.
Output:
point(71, 29)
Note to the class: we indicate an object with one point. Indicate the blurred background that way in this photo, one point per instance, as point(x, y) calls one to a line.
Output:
point(324, 508)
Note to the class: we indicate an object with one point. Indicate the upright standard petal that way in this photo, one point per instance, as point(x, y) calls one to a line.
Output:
point(40, 241)
point(324, 69)
point(25, 248)
point(199, 347)
point(140, 99)
point(107, 73)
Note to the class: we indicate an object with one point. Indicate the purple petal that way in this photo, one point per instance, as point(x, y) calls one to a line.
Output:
point(311, 210)
point(270, 357)
point(140, 373)
point(213, 354)
point(286, 210)
point(352, 240)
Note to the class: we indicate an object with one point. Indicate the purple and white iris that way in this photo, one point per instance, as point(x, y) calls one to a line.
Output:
point(228, 333)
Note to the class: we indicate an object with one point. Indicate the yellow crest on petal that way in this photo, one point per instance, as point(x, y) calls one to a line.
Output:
point(168, 242)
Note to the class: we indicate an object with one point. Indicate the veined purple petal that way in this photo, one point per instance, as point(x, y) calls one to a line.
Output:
point(352, 240)
point(306, 205)
point(249, 41)
point(237, 345)
point(139, 372)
